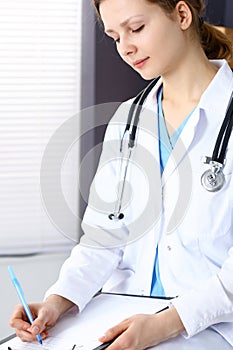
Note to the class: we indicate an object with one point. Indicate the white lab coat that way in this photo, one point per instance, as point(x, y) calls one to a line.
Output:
point(193, 227)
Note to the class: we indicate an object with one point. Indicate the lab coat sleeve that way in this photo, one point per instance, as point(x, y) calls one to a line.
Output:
point(99, 252)
point(83, 274)
point(209, 305)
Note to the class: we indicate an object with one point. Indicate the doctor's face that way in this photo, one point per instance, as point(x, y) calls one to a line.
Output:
point(147, 38)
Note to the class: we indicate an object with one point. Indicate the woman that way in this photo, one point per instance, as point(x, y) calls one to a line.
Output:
point(181, 245)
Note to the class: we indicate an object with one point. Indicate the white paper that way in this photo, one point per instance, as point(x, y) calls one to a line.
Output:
point(83, 330)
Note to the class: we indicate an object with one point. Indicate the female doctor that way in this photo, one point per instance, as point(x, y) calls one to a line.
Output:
point(170, 235)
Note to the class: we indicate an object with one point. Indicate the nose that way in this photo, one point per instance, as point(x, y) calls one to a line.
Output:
point(126, 48)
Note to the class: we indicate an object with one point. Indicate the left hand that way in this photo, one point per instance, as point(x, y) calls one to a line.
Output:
point(142, 331)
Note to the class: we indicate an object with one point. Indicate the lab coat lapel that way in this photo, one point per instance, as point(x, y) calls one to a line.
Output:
point(182, 146)
point(177, 177)
point(147, 142)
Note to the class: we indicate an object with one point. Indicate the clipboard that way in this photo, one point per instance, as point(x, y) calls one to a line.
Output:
point(102, 312)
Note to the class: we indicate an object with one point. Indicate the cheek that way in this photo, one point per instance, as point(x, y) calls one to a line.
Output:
point(167, 46)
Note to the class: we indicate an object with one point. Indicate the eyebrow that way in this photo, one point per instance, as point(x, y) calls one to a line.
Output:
point(123, 24)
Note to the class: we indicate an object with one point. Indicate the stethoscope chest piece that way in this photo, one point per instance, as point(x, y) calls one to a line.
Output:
point(213, 179)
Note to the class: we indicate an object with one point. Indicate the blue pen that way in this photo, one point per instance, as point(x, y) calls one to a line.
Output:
point(22, 299)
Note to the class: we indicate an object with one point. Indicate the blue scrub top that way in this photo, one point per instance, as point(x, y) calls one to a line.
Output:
point(166, 145)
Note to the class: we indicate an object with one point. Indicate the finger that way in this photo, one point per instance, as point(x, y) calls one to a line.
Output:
point(28, 337)
point(113, 332)
point(19, 324)
point(24, 332)
point(18, 317)
point(17, 320)
point(123, 341)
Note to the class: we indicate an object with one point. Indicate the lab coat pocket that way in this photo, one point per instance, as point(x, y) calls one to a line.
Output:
point(210, 213)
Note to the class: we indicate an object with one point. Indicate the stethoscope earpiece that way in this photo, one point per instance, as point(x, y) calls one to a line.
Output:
point(116, 216)
point(111, 216)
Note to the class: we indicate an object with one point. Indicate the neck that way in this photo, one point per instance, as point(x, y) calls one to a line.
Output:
point(189, 80)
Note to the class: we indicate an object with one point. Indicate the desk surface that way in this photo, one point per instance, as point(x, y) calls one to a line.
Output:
point(104, 311)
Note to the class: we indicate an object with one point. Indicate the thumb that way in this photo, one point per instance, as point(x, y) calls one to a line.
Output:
point(37, 326)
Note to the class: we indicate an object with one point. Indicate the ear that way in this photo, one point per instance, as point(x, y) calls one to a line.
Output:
point(184, 15)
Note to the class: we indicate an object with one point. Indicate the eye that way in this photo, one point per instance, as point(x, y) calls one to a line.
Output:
point(138, 29)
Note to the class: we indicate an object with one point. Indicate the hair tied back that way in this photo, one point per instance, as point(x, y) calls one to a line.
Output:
point(201, 21)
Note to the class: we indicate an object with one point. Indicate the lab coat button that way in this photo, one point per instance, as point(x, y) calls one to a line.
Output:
point(169, 248)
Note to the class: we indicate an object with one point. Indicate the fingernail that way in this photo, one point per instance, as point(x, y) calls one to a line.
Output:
point(36, 329)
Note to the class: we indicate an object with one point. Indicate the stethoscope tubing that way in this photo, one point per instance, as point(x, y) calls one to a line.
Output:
point(117, 210)
point(221, 144)
point(135, 110)
point(218, 156)
point(136, 107)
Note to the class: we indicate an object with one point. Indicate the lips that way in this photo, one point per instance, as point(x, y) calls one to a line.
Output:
point(140, 63)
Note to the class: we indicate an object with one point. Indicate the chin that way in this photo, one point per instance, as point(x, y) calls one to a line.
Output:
point(147, 76)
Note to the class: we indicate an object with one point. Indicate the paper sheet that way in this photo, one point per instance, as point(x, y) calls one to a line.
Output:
point(84, 329)
point(49, 344)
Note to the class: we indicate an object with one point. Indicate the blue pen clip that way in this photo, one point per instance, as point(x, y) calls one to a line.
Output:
point(22, 299)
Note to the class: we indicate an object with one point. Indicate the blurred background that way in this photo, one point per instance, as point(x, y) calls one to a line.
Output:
point(55, 64)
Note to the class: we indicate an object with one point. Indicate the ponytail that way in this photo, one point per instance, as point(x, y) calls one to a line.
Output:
point(215, 43)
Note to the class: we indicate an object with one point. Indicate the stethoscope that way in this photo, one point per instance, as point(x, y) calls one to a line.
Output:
point(212, 179)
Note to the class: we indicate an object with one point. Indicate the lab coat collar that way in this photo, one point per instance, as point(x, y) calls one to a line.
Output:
point(223, 84)
point(151, 100)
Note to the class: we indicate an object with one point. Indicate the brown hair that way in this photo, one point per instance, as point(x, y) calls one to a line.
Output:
point(215, 44)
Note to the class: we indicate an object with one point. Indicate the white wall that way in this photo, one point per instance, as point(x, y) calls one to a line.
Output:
point(35, 275)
